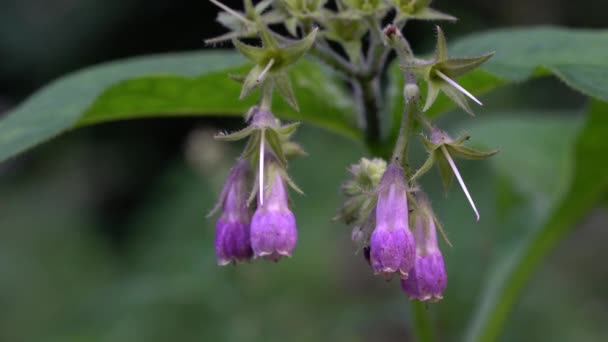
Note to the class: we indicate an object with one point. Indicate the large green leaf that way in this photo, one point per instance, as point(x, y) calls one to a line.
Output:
point(587, 185)
point(167, 85)
point(196, 84)
point(577, 57)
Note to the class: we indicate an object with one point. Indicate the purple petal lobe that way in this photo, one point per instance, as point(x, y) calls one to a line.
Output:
point(427, 280)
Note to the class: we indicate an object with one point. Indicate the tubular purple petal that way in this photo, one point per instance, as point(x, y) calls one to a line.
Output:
point(232, 242)
point(428, 278)
point(273, 226)
point(392, 243)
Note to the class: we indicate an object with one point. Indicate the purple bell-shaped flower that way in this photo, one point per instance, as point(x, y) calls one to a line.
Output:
point(428, 279)
point(232, 241)
point(273, 226)
point(392, 242)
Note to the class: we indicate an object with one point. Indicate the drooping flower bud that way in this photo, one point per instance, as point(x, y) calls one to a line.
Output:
point(273, 226)
point(232, 241)
point(392, 242)
point(428, 279)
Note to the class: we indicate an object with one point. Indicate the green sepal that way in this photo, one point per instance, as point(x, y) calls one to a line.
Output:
point(459, 98)
point(238, 135)
point(268, 41)
point(251, 81)
point(449, 66)
point(283, 84)
point(256, 54)
point(426, 166)
point(293, 185)
point(253, 146)
point(429, 145)
point(445, 170)
point(274, 141)
point(291, 24)
point(432, 91)
point(287, 130)
point(456, 67)
point(293, 51)
point(441, 47)
point(469, 153)
point(293, 150)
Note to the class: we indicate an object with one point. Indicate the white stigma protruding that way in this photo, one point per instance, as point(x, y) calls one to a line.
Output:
point(458, 86)
point(459, 177)
point(265, 71)
point(231, 11)
point(261, 169)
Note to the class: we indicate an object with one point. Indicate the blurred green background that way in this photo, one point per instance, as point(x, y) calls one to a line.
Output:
point(103, 234)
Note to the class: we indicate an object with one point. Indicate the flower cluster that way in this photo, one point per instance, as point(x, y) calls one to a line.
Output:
point(392, 219)
point(268, 231)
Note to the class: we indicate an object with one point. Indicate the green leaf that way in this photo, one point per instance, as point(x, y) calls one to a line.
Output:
point(185, 84)
point(586, 187)
point(577, 57)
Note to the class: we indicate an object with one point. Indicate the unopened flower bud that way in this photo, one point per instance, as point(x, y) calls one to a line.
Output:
point(428, 279)
point(273, 226)
point(392, 242)
point(232, 242)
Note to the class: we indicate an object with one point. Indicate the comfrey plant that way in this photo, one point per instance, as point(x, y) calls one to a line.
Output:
point(393, 221)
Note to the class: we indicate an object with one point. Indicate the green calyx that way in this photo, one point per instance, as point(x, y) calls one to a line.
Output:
point(368, 7)
point(440, 72)
point(418, 10)
point(264, 126)
point(244, 24)
point(348, 29)
point(272, 60)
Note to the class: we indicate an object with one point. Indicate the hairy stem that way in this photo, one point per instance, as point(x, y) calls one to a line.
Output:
point(266, 97)
point(334, 60)
point(411, 94)
point(370, 106)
